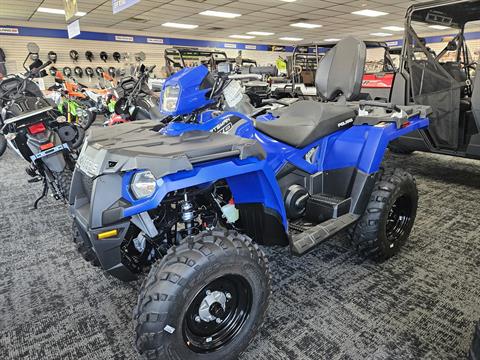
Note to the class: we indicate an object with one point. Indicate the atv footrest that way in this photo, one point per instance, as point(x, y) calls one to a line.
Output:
point(305, 241)
point(321, 207)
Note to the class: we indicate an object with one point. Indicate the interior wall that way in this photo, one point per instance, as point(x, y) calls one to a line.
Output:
point(15, 48)
point(15, 51)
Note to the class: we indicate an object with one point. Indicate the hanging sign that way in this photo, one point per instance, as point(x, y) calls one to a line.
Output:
point(120, 5)
point(73, 29)
point(71, 8)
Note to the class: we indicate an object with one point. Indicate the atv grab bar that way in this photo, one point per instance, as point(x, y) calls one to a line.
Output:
point(389, 106)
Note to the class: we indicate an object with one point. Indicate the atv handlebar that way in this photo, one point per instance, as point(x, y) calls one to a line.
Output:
point(245, 76)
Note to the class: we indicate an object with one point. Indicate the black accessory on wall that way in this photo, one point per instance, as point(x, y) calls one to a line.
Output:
point(104, 56)
point(53, 70)
point(89, 55)
point(89, 71)
point(99, 70)
point(52, 56)
point(116, 56)
point(78, 71)
point(74, 55)
point(67, 71)
point(112, 71)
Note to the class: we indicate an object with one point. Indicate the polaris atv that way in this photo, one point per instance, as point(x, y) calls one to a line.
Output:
point(190, 206)
point(445, 81)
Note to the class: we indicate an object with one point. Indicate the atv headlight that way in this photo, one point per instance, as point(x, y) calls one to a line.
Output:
point(143, 184)
point(170, 98)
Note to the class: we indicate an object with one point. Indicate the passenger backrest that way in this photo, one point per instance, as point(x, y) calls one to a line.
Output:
point(476, 100)
point(340, 72)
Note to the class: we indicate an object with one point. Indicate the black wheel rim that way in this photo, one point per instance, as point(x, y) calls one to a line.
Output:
point(399, 220)
point(203, 336)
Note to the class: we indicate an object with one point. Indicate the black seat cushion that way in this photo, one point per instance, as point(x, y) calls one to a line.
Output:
point(306, 121)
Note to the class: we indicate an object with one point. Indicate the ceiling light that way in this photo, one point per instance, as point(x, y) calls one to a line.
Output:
point(381, 34)
point(58, 11)
point(260, 33)
point(220, 14)
point(393, 28)
point(439, 27)
point(242, 36)
point(287, 38)
point(288, 0)
point(179, 26)
point(306, 25)
point(332, 39)
point(371, 13)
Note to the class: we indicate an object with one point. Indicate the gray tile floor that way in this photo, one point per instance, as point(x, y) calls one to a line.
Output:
point(327, 305)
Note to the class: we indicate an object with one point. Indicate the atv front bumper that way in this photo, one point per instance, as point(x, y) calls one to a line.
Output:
point(97, 210)
point(107, 250)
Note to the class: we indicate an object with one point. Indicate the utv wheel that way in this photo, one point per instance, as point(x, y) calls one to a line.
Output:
point(204, 300)
point(388, 219)
point(84, 249)
point(399, 149)
point(64, 180)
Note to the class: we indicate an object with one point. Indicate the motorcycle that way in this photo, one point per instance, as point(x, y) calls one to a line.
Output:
point(73, 101)
point(134, 99)
point(34, 130)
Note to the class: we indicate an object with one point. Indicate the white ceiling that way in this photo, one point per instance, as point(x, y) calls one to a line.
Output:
point(335, 16)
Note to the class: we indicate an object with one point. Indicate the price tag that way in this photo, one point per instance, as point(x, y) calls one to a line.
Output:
point(233, 93)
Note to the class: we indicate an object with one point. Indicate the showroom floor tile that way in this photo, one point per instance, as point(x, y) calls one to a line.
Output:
point(327, 305)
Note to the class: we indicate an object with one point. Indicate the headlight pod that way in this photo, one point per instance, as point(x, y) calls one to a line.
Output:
point(170, 98)
point(143, 184)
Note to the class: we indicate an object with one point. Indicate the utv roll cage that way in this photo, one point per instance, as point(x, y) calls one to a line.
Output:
point(176, 58)
point(446, 85)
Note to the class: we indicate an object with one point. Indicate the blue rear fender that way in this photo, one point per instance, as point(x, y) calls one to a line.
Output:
point(360, 146)
point(251, 181)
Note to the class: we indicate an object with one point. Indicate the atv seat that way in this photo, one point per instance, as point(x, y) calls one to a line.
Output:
point(338, 80)
point(304, 122)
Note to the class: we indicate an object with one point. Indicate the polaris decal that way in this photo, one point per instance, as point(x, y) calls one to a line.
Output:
point(345, 123)
point(226, 125)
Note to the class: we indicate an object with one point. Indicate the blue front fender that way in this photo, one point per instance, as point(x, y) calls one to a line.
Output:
point(250, 181)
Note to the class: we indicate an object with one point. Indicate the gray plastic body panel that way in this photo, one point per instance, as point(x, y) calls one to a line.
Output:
point(137, 146)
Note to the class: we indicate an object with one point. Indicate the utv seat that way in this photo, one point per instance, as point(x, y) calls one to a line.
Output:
point(304, 122)
point(339, 76)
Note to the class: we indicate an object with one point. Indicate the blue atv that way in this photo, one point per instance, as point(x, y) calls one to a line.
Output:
point(189, 203)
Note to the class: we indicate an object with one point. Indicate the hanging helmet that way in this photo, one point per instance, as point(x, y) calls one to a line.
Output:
point(89, 71)
point(112, 71)
point(52, 56)
point(104, 56)
point(67, 71)
point(116, 56)
point(34, 56)
point(74, 55)
point(78, 71)
point(99, 70)
point(89, 55)
point(53, 70)
point(140, 56)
